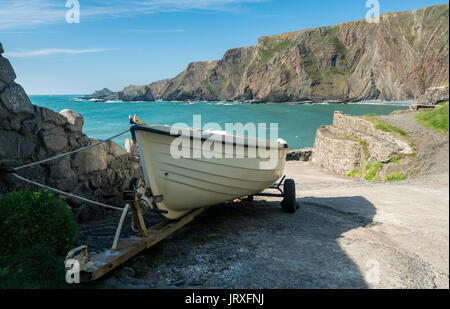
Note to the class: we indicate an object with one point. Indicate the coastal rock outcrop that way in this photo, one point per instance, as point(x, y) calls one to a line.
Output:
point(396, 59)
point(352, 142)
point(303, 154)
point(128, 94)
point(29, 133)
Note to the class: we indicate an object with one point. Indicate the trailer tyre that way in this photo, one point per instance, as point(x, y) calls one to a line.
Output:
point(289, 197)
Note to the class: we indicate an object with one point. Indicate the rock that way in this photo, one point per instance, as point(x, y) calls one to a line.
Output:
point(136, 93)
point(1, 49)
point(91, 160)
point(27, 147)
point(116, 164)
point(61, 169)
point(7, 74)
point(29, 126)
point(434, 96)
point(303, 154)
point(9, 145)
point(29, 133)
point(344, 63)
point(54, 140)
point(195, 283)
point(16, 100)
point(73, 117)
point(115, 150)
point(128, 94)
point(67, 184)
point(105, 94)
point(49, 116)
point(178, 282)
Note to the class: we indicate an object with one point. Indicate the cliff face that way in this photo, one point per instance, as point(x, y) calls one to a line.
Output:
point(396, 59)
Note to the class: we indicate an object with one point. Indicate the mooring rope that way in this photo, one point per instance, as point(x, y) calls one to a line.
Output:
point(12, 170)
point(67, 194)
point(71, 152)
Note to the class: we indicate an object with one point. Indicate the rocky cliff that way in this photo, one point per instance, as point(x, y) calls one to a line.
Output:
point(29, 133)
point(397, 59)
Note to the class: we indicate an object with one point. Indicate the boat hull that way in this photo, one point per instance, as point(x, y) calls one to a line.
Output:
point(188, 183)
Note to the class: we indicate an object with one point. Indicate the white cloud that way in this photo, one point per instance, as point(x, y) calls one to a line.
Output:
point(53, 51)
point(16, 14)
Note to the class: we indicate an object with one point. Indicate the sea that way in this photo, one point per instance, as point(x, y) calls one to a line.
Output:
point(297, 122)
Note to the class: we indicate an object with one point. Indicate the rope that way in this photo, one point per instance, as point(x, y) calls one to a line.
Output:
point(71, 152)
point(67, 194)
point(12, 170)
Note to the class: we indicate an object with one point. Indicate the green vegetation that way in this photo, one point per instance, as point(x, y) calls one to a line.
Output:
point(349, 136)
point(373, 169)
point(28, 218)
point(386, 127)
point(312, 68)
point(365, 148)
point(37, 229)
point(394, 159)
point(267, 53)
point(411, 40)
point(436, 119)
point(394, 177)
point(354, 173)
point(339, 47)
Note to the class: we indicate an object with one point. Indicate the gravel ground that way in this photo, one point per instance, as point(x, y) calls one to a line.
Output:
point(347, 233)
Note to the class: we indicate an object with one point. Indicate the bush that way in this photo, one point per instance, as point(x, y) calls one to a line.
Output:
point(373, 170)
point(394, 177)
point(36, 267)
point(30, 218)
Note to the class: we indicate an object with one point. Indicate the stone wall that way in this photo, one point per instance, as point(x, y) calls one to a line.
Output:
point(336, 154)
point(352, 141)
point(29, 133)
point(363, 128)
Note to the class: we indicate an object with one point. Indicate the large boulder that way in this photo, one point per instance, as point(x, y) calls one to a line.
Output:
point(16, 100)
point(7, 74)
point(91, 160)
point(73, 117)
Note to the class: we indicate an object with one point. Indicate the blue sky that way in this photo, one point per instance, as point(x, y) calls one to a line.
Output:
point(120, 42)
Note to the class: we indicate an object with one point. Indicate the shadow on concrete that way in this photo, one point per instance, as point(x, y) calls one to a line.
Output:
point(298, 250)
point(257, 245)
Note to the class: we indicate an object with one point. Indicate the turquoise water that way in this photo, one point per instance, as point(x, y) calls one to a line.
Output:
point(297, 123)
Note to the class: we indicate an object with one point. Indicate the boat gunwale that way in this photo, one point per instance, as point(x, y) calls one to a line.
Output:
point(136, 127)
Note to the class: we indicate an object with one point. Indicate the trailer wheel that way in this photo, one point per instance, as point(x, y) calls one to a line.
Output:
point(289, 198)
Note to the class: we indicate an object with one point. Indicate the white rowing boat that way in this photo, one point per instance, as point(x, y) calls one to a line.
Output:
point(231, 167)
